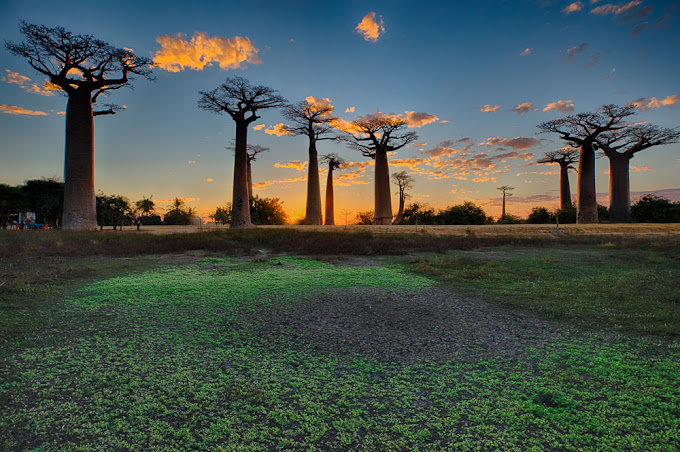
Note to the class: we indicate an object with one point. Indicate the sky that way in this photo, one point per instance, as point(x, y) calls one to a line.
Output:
point(473, 78)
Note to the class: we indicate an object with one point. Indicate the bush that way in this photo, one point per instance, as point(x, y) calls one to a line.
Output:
point(510, 219)
point(267, 211)
point(602, 213)
point(419, 214)
point(365, 217)
point(655, 209)
point(567, 215)
point(466, 213)
point(222, 215)
point(150, 220)
point(540, 215)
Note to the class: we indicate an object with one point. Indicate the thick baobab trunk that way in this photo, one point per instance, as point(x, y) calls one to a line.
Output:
point(586, 204)
point(565, 190)
point(400, 212)
point(383, 195)
point(80, 205)
point(313, 211)
point(250, 178)
point(619, 188)
point(240, 213)
point(330, 214)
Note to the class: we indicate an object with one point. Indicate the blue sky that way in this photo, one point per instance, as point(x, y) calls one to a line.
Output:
point(445, 59)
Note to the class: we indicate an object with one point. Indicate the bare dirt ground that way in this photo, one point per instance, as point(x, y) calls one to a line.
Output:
point(635, 229)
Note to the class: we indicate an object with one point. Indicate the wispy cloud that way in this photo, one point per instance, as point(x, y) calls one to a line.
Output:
point(646, 103)
point(526, 51)
point(572, 8)
point(417, 120)
point(370, 28)
point(277, 130)
point(294, 164)
point(24, 82)
point(576, 50)
point(593, 59)
point(489, 108)
point(638, 29)
point(563, 106)
point(518, 143)
point(524, 107)
point(615, 10)
point(611, 74)
point(178, 53)
point(485, 179)
point(14, 110)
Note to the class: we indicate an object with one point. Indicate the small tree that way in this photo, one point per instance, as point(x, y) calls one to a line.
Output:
point(581, 131)
point(506, 192)
point(404, 182)
point(365, 218)
point(620, 146)
point(655, 209)
point(417, 213)
point(112, 210)
point(267, 211)
point(146, 206)
point(241, 101)
point(375, 136)
point(222, 215)
point(466, 213)
point(179, 213)
point(540, 215)
point(311, 119)
point(84, 68)
point(566, 158)
point(45, 197)
point(334, 162)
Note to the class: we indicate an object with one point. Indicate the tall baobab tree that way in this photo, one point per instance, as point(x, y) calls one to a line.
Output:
point(620, 146)
point(240, 100)
point(404, 182)
point(565, 157)
point(83, 68)
point(334, 162)
point(506, 192)
point(311, 119)
point(374, 136)
point(581, 131)
point(253, 150)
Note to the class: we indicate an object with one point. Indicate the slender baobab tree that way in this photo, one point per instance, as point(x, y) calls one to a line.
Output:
point(375, 136)
point(565, 157)
point(240, 100)
point(506, 192)
point(581, 131)
point(334, 162)
point(253, 151)
point(404, 182)
point(83, 68)
point(311, 118)
point(620, 146)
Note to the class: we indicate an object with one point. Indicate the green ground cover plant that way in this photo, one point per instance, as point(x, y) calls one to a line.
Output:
point(215, 352)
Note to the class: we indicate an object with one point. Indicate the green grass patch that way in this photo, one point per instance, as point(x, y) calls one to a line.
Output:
point(624, 289)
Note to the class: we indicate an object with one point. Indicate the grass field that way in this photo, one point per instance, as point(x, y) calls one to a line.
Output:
point(284, 339)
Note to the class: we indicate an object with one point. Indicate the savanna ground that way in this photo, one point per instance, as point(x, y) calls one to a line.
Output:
point(343, 340)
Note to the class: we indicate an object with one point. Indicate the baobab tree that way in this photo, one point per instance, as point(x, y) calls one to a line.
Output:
point(253, 150)
point(404, 182)
point(84, 68)
point(311, 119)
point(565, 157)
point(240, 100)
point(506, 192)
point(374, 136)
point(334, 162)
point(620, 146)
point(581, 131)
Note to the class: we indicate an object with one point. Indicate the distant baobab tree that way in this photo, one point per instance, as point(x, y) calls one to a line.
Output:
point(374, 136)
point(404, 182)
point(334, 162)
point(311, 119)
point(620, 146)
point(346, 213)
point(83, 68)
point(253, 150)
point(506, 192)
point(240, 100)
point(565, 158)
point(581, 131)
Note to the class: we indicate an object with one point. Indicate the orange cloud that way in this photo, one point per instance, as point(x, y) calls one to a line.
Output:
point(615, 9)
point(259, 127)
point(294, 164)
point(485, 179)
point(277, 130)
point(319, 102)
point(209, 179)
point(15, 78)
point(369, 28)
point(489, 108)
point(526, 51)
point(563, 106)
point(522, 108)
point(349, 110)
point(267, 183)
point(14, 110)
point(417, 120)
point(572, 8)
point(646, 103)
point(24, 82)
point(444, 121)
point(177, 53)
